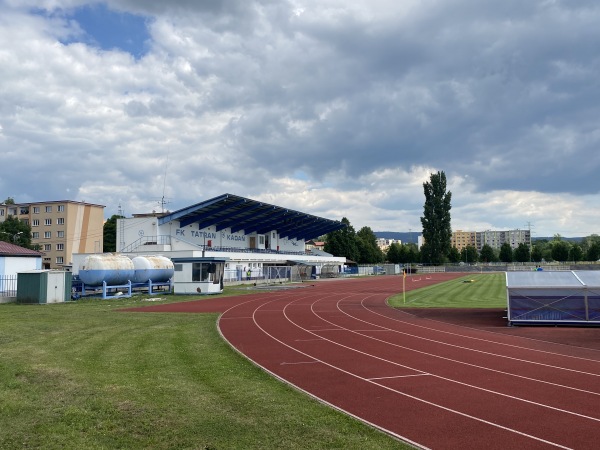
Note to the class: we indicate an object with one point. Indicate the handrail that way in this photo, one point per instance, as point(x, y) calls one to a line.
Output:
point(166, 240)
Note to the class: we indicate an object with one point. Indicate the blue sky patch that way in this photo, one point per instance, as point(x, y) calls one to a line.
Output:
point(108, 30)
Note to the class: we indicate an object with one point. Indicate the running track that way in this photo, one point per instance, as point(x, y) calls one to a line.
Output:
point(426, 382)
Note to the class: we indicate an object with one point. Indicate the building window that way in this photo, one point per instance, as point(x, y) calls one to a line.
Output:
point(60, 208)
point(60, 221)
point(60, 247)
point(60, 234)
point(48, 208)
point(36, 209)
point(47, 247)
point(47, 234)
point(200, 271)
point(24, 211)
point(35, 235)
point(59, 260)
point(35, 223)
point(1, 212)
point(47, 221)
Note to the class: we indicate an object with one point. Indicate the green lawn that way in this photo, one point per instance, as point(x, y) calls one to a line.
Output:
point(471, 291)
point(82, 375)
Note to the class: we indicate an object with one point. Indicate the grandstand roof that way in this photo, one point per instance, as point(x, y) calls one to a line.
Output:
point(240, 213)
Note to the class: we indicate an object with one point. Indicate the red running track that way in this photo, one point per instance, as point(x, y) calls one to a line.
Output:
point(427, 382)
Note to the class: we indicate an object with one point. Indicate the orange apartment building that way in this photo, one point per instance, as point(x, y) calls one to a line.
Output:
point(60, 228)
point(461, 239)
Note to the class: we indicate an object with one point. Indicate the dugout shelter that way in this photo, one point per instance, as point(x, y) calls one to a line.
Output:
point(553, 298)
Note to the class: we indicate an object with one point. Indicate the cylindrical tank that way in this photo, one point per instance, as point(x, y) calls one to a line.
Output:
point(155, 268)
point(113, 268)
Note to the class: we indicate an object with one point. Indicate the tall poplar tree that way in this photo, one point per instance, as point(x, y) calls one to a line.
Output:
point(437, 231)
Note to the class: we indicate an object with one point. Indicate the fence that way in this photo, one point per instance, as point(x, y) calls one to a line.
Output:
point(264, 275)
point(8, 285)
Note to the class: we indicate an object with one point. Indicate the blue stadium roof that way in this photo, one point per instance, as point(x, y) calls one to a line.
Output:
point(251, 216)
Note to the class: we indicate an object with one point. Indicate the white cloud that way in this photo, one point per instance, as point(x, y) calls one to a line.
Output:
point(363, 99)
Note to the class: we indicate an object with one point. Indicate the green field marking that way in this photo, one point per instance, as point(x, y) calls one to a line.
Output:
point(82, 375)
point(470, 291)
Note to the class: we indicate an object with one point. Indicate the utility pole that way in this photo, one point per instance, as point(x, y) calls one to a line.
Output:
point(121, 213)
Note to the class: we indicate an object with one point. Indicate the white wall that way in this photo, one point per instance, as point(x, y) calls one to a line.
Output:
point(11, 265)
point(133, 229)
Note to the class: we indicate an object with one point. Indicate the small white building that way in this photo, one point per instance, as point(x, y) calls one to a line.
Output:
point(14, 259)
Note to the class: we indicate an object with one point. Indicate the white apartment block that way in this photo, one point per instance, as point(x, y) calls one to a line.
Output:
point(384, 243)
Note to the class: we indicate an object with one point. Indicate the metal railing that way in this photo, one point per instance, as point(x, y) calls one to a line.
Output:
point(8, 285)
point(166, 240)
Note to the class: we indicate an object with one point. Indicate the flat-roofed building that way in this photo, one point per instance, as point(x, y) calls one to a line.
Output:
point(462, 239)
point(60, 228)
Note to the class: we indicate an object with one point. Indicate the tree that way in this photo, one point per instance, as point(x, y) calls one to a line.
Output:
point(454, 255)
point(469, 254)
point(560, 250)
point(576, 253)
point(521, 253)
point(506, 253)
point(412, 253)
point(9, 201)
point(16, 232)
point(394, 253)
point(109, 233)
point(587, 242)
point(437, 231)
point(487, 254)
point(536, 253)
point(343, 242)
point(368, 250)
point(542, 251)
point(593, 253)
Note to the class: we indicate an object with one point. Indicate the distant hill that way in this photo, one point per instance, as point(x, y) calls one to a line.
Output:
point(569, 239)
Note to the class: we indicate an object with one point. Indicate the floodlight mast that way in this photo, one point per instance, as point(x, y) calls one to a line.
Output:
point(14, 236)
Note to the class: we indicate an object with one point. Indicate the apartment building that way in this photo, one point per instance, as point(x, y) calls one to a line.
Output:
point(497, 239)
point(461, 239)
point(60, 228)
point(384, 243)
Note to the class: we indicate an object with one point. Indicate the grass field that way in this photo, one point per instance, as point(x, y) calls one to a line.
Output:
point(82, 375)
point(471, 291)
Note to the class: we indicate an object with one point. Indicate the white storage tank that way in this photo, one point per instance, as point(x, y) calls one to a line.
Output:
point(156, 268)
point(113, 268)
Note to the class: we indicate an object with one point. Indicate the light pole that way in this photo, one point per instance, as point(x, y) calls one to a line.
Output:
point(14, 236)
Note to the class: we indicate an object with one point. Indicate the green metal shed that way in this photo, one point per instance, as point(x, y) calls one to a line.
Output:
point(44, 286)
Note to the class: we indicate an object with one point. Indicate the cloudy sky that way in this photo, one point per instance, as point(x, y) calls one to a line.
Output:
point(334, 108)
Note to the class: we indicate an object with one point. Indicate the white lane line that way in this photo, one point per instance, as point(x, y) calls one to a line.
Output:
point(471, 349)
point(299, 362)
point(236, 318)
point(403, 393)
point(512, 397)
point(482, 339)
point(399, 376)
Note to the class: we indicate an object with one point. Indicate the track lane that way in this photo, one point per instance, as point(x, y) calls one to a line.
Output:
point(425, 381)
point(317, 353)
